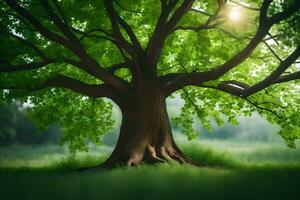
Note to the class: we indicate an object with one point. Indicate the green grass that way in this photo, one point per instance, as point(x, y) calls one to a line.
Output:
point(234, 154)
point(237, 171)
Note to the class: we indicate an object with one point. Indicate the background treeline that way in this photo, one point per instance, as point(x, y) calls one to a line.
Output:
point(17, 128)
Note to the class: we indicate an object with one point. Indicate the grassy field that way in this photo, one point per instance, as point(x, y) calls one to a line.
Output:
point(237, 171)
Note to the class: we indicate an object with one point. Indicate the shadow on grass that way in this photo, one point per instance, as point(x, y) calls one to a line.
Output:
point(153, 182)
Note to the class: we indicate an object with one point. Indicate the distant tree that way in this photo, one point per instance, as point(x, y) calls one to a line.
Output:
point(223, 58)
point(17, 128)
point(8, 123)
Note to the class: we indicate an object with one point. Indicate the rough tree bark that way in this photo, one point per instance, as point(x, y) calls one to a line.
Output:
point(145, 134)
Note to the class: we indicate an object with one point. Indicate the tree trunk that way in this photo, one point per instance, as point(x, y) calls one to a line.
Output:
point(145, 134)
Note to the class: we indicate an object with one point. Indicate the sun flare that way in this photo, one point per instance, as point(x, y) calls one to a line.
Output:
point(234, 15)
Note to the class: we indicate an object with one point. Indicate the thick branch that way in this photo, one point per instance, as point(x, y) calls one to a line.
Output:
point(240, 89)
point(197, 78)
point(114, 18)
point(178, 14)
point(229, 88)
point(61, 12)
point(91, 90)
point(289, 77)
point(274, 75)
point(114, 68)
point(128, 30)
point(135, 49)
point(32, 20)
point(162, 30)
point(102, 90)
point(90, 65)
point(243, 90)
point(28, 66)
point(235, 90)
point(289, 11)
point(57, 21)
point(254, 42)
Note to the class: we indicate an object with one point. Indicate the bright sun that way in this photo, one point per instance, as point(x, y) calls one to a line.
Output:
point(234, 15)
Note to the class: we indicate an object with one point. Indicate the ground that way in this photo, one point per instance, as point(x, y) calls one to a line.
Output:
point(237, 170)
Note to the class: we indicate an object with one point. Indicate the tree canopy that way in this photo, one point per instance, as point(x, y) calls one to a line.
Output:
point(64, 56)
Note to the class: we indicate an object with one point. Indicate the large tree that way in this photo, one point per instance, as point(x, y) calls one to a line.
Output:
point(224, 58)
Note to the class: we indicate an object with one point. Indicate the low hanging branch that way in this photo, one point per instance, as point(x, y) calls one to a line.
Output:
point(60, 81)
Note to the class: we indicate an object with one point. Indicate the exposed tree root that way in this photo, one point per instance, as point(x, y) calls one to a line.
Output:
point(150, 156)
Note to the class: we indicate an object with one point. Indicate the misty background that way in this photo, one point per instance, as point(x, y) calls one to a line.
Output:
point(17, 128)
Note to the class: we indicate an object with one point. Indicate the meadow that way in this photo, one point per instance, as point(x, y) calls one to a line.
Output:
point(237, 170)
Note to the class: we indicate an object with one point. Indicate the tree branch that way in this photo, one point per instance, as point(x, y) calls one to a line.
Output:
point(272, 37)
point(163, 28)
point(60, 81)
point(289, 77)
point(289, 11)
point(262, 31)
point(90, 65)
point(245, 6)
point(89, 34)
point(107, 33)
point(96, 91)
point(28, 66)
point(24, 41)
point(32, 20)
point(243, 90)
point(61, 12)
point(269, 80)
point(207, 25)
point(272, 51)
point(57, 21)
point(257, 105)
point(201, 12)
point(197, 78)
point(236, 91)
point(125, 9)
point(130, 33)
point(229, 88)
point(114, 18)
point(112, 69)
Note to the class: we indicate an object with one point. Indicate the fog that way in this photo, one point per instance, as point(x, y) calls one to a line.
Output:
point(16, 127)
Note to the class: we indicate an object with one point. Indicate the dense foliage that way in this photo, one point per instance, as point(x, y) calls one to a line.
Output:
point(185, 50)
